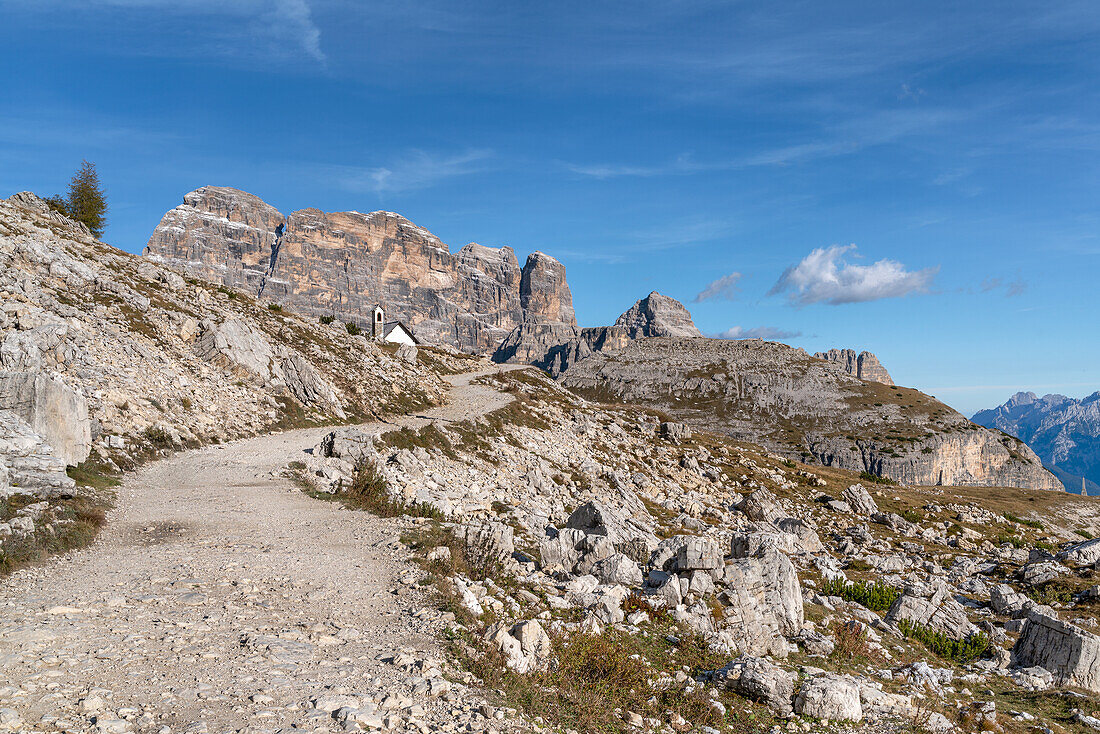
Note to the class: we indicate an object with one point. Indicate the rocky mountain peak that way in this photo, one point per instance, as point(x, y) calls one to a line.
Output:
point(864, 365)
point(543, 292)
point(657, 315)
point(1021, 398)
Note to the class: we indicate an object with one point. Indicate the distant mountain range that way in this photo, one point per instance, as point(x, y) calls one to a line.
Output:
point(1063, 431)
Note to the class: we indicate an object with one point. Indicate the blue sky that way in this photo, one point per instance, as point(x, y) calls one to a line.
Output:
point(916, 179)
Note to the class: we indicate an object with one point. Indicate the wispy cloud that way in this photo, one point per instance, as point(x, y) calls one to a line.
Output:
point(839, 139)
point(757, 332)
point(238, 27)
point(294, 18)
point(724, 288)
point(417, 169)
point(1011, 289)
point(627, 247)
point(824, 276)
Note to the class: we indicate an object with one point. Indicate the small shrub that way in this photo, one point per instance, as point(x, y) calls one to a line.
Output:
point(274, 307)
point(369, 491)
point(1052, 592)
point(911, 515)
point(851, 644)
point(1023, 521)
point(875, 478)
point(57, 203)
point(353, 328)
point(326, 320)
point(1012, 540)
point(962, 652)
point(159, 438)
point(876, 596)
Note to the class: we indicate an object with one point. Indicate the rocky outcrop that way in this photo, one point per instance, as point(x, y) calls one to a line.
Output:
point(864, 365)
point(28, 464)
point(544, 295)
point(552, 347)
point(341, 264)
point(1070, 653)
point(548, 336)
point(1063, 431)
point(53, 410)
point(830, 696)
point(780, 397)
point(765, 601)
point(760, 680)
point(243, 349)
point(934, 609)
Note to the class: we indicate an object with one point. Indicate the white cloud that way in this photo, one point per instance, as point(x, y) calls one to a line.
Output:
point(416, 170)
point(724, 288)
point(757, 332)
point(824, 276)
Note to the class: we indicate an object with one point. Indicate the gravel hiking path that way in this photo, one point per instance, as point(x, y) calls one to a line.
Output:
point(221, 598)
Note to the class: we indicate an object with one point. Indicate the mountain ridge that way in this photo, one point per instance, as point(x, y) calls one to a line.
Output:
point(342, 263)
point(1063, 431)
point(782, 398)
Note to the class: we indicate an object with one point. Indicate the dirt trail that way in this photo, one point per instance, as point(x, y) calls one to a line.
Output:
point(221, 598)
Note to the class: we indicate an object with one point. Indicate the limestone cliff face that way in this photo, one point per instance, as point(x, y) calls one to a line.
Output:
point(780, 397)
point(548, 335)
point(342, 263)
point(543, 292)
point(863, 365)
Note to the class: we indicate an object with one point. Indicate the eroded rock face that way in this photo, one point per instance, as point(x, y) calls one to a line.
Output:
point(760, 680)
point(749, 388)
point(243, 349)
point(27, 461)
point(52, 409)
point(1070, 653)
point(765, 602)
point(864, 365)
point(543, 293)
point(343, 263)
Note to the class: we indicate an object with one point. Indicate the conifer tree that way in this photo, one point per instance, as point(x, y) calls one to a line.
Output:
point(87, 203)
